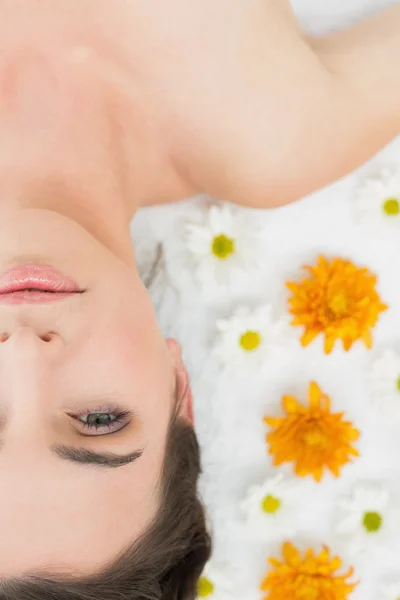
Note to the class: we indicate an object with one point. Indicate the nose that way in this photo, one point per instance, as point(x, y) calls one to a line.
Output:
point(27, 336)
point(28, 353)
point(27, 367)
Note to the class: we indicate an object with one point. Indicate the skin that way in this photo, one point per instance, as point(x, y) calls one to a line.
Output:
point(63, 204)
point(95, 122)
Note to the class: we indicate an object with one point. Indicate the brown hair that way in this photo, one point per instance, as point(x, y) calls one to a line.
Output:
point(165, 563)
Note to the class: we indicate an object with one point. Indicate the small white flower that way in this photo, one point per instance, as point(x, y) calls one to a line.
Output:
point(390, 591)
point(224, 248)
point(377, 200)
point(216, 583)
point(369, 519)
point(384, 383)
point(271, 508)
point(246, 340)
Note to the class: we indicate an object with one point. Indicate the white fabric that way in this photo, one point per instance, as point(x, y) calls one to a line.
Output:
point(229, 415)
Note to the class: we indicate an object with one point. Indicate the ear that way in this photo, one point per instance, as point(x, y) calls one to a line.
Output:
point(175, 350)
point(183, 390)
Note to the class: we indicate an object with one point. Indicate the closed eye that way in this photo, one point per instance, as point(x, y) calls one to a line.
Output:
point(102, 421)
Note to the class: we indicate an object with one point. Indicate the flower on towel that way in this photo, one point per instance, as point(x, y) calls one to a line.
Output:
point(270, 508)
point(368, 517)
point(311, 437)
point(215, 583)
point(337, 299)
point(384, 383)
point(224, 247)
point(377, 199)
point(390, 591)
point(311, 576)
point(246, 340)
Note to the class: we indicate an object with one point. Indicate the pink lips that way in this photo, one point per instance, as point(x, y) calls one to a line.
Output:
point(35, 284)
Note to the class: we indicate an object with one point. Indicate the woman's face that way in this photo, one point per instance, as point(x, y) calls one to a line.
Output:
point(77, 488)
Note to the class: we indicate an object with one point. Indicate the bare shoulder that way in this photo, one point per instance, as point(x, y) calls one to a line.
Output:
point(264, 150)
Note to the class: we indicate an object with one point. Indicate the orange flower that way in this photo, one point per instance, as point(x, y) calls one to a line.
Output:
point(338, 299)
point(314, 577)
point(312, 437)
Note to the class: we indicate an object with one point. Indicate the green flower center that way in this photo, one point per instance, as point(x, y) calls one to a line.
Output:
point(271, 505)
point(391, 207)
point(372, 522)
point(398, 389)
point(250, 340)
point(205, 587)
point(223, 246)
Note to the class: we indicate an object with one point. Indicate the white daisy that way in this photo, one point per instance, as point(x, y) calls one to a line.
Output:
point(246, 340)
point(369, 519)
point(271, 507)
point(377, 200)
point(390, 591)
point(224, 248)
point(216, 582)
point(384, 382)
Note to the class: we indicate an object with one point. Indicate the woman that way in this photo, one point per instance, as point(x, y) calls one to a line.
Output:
point(106, 107)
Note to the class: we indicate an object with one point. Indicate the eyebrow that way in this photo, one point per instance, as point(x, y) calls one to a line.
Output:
point(107, 460)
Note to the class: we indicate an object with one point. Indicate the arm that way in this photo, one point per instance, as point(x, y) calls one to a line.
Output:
point(309, 111)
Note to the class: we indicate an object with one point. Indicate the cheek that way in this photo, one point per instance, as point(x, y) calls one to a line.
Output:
point(118, 361)
point(129, 354)
point(136, 348)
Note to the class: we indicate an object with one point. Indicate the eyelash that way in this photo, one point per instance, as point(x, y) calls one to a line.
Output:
point(119, 417)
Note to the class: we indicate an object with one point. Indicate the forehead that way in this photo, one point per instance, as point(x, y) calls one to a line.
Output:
point(72, 520)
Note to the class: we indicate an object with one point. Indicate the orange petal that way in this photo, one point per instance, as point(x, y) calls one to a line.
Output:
point(292, 286)
point(291, 554)
point(309, 336)
point(318, 473)
point(325, 402)
point(297, 321)
point(335, 470)
point(314, 394)
point(329, 343)
point(367, 338)
point(290, 404)
point(323, 262)
point(347, 343)
point(273, 421)
point(336, 564)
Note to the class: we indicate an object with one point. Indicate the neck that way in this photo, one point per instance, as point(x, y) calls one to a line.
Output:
point(67, 149)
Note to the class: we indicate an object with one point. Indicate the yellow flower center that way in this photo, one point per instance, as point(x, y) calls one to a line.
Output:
point(309, 590)
point(391, 207)
point(250, 340)
point(338, 304)
point(205, 587)
point(271, 505)
point(398, 384)
point(315, 438)
point(372, 522)
point(223, 246)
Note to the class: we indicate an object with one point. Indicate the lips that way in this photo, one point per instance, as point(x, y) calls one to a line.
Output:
point(35, 284)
